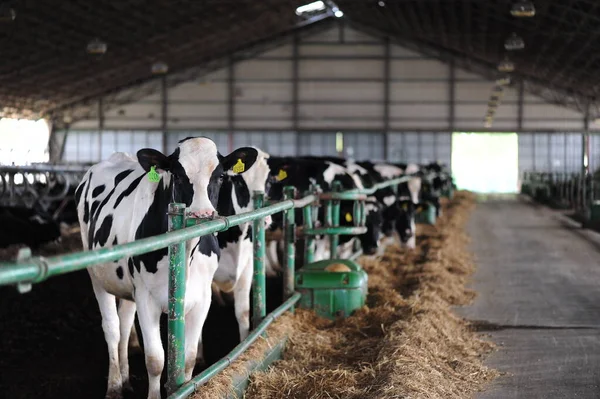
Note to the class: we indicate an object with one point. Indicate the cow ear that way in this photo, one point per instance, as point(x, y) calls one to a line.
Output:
point(148, 157)
point(240, 160)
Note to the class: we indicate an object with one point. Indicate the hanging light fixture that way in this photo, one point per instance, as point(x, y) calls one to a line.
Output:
point(7, 14)
point(487, 124)
point(506, 66)
point(160, 68)
point(96, 47)
point(514, 42)
point(504, 81)
point(522, 9)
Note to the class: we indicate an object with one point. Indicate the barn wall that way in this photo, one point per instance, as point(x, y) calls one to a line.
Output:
point(388, 101)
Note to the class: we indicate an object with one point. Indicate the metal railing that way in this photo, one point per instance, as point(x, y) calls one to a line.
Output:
point(31, 270)
point(563, 190)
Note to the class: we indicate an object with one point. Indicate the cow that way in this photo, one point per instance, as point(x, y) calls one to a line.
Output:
point(236, 265)
point(124, 199)
point(301, 173)
point(30, 226)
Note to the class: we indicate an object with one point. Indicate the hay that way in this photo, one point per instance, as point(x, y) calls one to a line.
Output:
point(406, 343)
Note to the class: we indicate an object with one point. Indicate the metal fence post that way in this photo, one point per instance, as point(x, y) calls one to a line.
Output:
point(289, 269)
point(177, 281)
point(309, 240)
point(334, 239)
point(259, 298)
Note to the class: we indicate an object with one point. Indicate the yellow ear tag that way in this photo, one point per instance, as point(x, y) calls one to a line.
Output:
point(281, 175)
point(348, 217)
point(153, 175)
point(404, 206)
point(239, 167)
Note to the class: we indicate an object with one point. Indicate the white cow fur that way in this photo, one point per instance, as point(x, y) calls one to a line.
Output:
point(149, 291)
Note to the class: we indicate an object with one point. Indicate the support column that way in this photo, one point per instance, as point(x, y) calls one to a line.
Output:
point(100, 126)
point(386, 97)
point(230, 103)
point(295, 77)
point(520, 106)
point(164, 100)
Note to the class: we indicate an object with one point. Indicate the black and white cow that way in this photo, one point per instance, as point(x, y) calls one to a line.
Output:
point(32, 227)
point(117, 202)
point(301, 173)
point(236, 265)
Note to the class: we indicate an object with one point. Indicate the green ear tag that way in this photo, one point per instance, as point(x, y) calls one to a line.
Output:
point(153, 175)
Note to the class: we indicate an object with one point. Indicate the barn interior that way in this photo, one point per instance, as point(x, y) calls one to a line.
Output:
point(501, 92)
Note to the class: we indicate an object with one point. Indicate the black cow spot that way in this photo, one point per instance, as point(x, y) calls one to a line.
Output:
point(120, 272)
point(104, 231)
point(121, 176)
point(130, 266)
point(207, 245)
point(115, 241)
point(86, 211)
point(98, 190)
point(95, 205)
point(129, 190)
point(154, 223)
point(79, 191)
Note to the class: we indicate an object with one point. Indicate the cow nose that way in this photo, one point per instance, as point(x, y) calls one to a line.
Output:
point(202, 214)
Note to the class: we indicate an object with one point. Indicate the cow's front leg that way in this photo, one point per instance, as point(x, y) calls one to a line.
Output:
point(149, 316)
point(241, 296)
point(194, 321)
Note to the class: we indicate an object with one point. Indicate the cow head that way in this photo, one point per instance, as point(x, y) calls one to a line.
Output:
point(196, 171)
point(237, 189)
point(370, 240)
point(406, 210)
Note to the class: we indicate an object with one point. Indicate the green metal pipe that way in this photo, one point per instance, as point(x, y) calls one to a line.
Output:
point(334, 239)
point(259, 294)
point(309, 241)
point(176, 317)
point(193, 385)
point(340, 230)
point(38, 269)
point(289, 270)
point(342, 196)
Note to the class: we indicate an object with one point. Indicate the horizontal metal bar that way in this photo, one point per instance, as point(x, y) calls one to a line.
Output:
point(343, 196)
point(38, 269)
point(43, 168)
point(193, 385)
point(339, 230)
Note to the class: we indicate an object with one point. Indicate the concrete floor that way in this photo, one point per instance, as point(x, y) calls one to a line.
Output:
point(538, 281)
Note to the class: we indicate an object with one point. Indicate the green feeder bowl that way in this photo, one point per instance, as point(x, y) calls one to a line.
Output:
point(427, 216)
point(334, 288)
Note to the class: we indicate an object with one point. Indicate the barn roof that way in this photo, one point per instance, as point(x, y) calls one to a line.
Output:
point(45, 67)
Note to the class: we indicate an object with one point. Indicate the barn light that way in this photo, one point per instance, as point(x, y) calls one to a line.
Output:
point(522, 9)
point(160, 68)
point(339, 142)
point(337, 12)
point(67, 119)
point(505, 81)
point(506, 66)
point(311, 7)
point(514, 42)
point(96, 47)
point(487, 124)
point(7, 14)
point(381, 4)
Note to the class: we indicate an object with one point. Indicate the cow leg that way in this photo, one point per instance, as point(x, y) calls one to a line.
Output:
point(194, 321)
point(149, 316)
point(134, 341)
point(110, 325)
point(412, 241)
point(126, 318)
point(241, 295)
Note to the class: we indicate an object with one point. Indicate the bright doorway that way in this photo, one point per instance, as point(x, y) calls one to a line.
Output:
point(486, 162)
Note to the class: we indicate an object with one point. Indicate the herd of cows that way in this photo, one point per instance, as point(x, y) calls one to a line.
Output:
point(125, 198)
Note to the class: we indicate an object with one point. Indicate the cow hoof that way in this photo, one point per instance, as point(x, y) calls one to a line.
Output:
point(127, 387)
point(114, 394)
